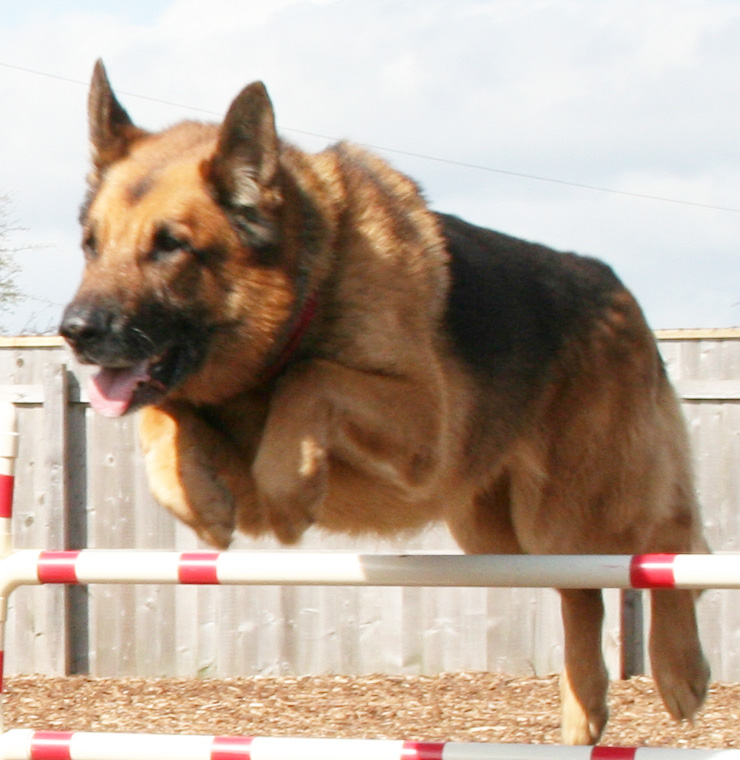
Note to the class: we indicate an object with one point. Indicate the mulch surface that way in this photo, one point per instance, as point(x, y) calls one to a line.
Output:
point(463, 707)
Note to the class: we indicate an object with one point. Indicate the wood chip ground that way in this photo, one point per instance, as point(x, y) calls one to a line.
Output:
point(450, 707)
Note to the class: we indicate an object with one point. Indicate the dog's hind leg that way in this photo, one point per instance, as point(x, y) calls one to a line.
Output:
point(678, 664)
point(679, 667)
point(487, 528)
point(546, 522)
point(584, 681)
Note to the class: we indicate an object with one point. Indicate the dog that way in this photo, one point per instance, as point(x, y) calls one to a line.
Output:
point(310, 345)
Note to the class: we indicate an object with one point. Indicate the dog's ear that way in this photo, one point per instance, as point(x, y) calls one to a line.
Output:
point(246, 160)
point(111, 129)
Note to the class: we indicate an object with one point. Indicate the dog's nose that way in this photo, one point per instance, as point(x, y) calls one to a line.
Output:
point(83, 324)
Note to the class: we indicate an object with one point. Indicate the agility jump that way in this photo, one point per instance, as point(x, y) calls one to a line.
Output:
point(36, 567)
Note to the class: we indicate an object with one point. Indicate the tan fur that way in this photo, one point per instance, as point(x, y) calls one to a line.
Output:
point(382, 427)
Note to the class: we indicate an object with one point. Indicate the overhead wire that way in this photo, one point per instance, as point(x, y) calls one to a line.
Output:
point(410, 154)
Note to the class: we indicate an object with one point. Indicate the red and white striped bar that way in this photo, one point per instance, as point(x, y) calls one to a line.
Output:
point(22, 744)
point(8, 454)
point(33, 567)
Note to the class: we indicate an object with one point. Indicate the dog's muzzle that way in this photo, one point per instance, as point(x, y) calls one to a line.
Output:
point(140, 357)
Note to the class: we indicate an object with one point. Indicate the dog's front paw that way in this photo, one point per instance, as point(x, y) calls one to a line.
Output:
point(178, 457)
point(216, 535)
point(194, 496)
point(291, 485)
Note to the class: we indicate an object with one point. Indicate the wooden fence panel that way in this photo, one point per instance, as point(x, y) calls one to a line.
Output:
point(81, 483)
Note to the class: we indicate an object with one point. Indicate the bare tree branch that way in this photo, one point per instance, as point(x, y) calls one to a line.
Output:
point(10, 293)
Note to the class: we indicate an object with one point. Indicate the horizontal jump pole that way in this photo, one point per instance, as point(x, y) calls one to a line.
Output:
point(86, 566)
point(23, 744)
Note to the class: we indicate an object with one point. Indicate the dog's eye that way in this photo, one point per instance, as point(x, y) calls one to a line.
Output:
point(90, 246)
point(165, 243)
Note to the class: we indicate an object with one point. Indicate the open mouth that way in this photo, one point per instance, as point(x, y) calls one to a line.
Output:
point(114, 391)
point(123, 387)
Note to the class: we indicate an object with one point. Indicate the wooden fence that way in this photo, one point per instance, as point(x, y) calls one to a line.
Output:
point(80, 484)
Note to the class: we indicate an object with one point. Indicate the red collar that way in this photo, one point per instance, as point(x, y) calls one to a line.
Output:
point(302, 323)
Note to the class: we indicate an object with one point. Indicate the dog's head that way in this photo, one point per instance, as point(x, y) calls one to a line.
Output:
point(188, 284)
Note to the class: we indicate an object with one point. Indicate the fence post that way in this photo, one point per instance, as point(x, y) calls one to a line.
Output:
point(57, 465)
point(632, 634)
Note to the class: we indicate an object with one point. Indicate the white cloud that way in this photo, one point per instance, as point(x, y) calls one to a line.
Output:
point(637, 96)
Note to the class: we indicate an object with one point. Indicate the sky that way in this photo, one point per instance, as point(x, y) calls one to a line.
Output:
point(606, 127)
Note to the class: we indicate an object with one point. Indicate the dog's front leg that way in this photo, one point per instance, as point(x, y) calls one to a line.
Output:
point(387, 428)
point(291, 467)
point(193, 470)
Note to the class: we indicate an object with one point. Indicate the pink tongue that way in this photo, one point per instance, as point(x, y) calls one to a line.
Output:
point(111, 390)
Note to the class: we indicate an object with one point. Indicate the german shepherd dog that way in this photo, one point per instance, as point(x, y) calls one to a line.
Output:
point(310, 344)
